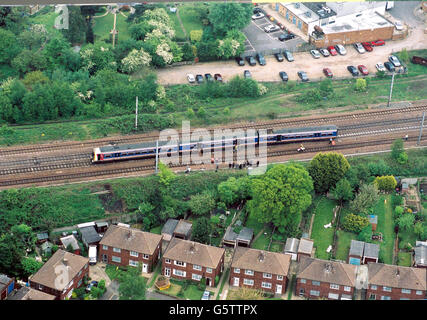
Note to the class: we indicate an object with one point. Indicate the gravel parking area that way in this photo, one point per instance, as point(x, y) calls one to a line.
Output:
point(417, 39)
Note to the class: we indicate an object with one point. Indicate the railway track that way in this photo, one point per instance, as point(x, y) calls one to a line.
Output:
point(148, 168)
point(359, 116)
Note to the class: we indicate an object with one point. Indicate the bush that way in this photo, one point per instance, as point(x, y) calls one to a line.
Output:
point(354, 223)
point(202, 284)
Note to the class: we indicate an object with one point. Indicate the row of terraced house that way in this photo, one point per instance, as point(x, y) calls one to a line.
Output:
point(252, 268)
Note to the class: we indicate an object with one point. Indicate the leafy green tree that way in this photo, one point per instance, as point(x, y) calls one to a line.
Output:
point(228, 16)
point(188, 52)
point(281, 195)
point(9, 47)
point(32, 78)
point(354, 223)
point(343, 190)
point(196, 35)
point(418, 229)
point(31, 266)
point(406, 221)
point(404, 56)
point(201, 230)
point(135, 60)
point(366, 234)
point(132, 288)
point(166, 175)
point(365, 199)
point(327, 169)
point(361, 85)
point(201, 203)
point(76, 32)
point(98, 56)
point(398, 211)
point(397, 150)
point(227, 191)
point(28, 60)
point(385, 183)
point(34, 37)
point(379, 168)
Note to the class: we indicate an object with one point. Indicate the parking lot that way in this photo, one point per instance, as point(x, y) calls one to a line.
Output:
point(257, 40)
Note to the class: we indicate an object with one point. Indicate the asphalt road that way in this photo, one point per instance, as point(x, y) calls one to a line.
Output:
point(404, 11)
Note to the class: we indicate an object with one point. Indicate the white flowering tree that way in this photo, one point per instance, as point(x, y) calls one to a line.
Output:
point(158, 14)
point(96, 57)
point(135, 60)
point(228, 48)
point(163, 28)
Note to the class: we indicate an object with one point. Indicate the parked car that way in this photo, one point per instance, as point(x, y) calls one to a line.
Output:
point(190, 78)
point(288, 55)
point(247, 74)
point(367, 46)
point(206, 295)
point(359, 48)
point(328, 72)
point(91, 285)
point(218, 77)
point(279, 57)
point(283, 75)
point(92, 253)
point(332, 50)
point(199, 78)
point(240, 61)
point(341, 50)
point(257, 16)
point(398, 25)
point(377, 43)
point(251, 60)
point(208, 77)
point(286, 36)
point(394, 61)
point(389, 66)
point(363, 70)
point(324, 52)
point(380, 67)
point(256, 10)
point(303, 76)
point(315, 54)
point(353, 70)
point(271, 28)
point(261, 59)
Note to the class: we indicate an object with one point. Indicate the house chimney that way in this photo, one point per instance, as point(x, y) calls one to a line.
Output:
point(397, 272)
point(129, 234)
point(328, 268)
point(65, 261)
point(192, 248)
point(261, 257)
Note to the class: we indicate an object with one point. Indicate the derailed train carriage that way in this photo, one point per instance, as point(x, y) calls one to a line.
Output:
point(149, 149)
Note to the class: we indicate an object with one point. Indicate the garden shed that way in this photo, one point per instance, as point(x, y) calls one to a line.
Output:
point(420, 254)
point(291, 248)
point(355, 254)
point(305, 248)
point(371, 253)
point(168, 229)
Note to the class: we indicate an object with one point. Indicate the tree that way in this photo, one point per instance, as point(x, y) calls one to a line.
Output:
point(281, 195)
point(406, 221)
point(397, 151)
point(366, 234)
point(201, 230)
point(201, 203)
point(227, 191)
point(28, 60)
point(343, 190)
point(76, 32)
point(132, 288)
point(95, 57)
point(327, 169)
point(385, 183)
point(418, 229)
point(9, 47)
point(365, 199)
point(228, 16)
point(196, 35)
point(34, 37)
point(404, 56)
point(398, 212)
point(135, 60)
point(32, 78)
point(354, 223)
point(361, 85)
point(166, 175)
point(31, 266)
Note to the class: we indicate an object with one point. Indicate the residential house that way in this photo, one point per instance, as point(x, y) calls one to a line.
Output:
point(25, 293)
point(305, 248)
point(70, 241)
point(371, 253)
point(420, 254)
point(291, 248)
point(390, 282)
point(124, 246)
point(185, 260)
point(259, 269)
point(325, 279)
point(61, 274)
point(7, 284)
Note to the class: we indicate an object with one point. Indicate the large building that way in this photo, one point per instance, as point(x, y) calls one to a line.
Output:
point(124, 246)
point(61, 274)
point(189, 260)
point(259, 269)
point(331, 23)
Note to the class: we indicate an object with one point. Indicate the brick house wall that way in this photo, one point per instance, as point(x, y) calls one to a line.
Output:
point(395, 294)
point(168, 267)
point(290, 18)
point(62, 295)
point(324, 289)
point(258, 279)
point(106, 254)
point(351, 37)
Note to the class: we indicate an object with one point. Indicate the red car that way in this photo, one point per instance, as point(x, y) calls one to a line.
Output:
point(332, 50)
point(328, 72)
point(367, 46)
point(377, 43)
point(363, 70)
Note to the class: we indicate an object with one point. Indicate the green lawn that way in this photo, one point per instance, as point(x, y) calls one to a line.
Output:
point(343, 244)
point(323, 237)
point(252, 223)
point(407, 237)
point(179, 33)
point(386, 226)
point(104, 25)
point(189, 20)
point(404, 259)
point(192, 291)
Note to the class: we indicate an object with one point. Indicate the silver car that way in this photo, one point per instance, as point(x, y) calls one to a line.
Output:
point(341, 50)
point(324, 52)
point(191, 78)
point(315, 54)
point(359, 48)
point(380, 67)
point(394, 61)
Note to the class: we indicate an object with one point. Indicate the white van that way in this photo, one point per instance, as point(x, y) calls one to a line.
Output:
point(92, 255)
